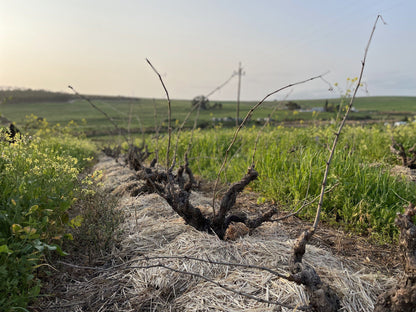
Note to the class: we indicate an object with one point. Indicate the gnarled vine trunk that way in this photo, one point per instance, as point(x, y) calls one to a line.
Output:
point(402, 298)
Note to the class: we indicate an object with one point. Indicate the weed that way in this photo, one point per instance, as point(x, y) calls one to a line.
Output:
point(95, 227)
point(38, 183)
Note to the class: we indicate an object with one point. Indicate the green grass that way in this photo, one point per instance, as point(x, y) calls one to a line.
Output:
point(291, 162)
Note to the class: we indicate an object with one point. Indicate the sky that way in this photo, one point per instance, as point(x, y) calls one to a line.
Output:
point(101, 46)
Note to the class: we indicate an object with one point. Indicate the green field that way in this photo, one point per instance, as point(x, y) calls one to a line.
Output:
point(140, 114)
point(374, 103)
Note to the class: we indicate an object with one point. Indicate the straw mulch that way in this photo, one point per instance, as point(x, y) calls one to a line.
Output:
point(152, 229)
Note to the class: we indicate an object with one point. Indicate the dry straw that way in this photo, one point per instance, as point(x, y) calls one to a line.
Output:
point(153, 271)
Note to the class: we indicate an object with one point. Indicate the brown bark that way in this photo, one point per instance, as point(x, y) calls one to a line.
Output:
point(179, 201)
point(220, 223)
point(408, 158)
point(403, 296)
point(229, 198)
point(321, 297)
point(136, 156)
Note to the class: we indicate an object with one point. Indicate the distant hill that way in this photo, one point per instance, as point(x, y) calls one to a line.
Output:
point(38, 96)
point(366, 103)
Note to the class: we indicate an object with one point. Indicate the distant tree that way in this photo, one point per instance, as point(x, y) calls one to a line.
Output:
point(33, 96)
point(12, 96)
point(330, 107)
point(216, 105)
point(292, 106)
point(201, 100)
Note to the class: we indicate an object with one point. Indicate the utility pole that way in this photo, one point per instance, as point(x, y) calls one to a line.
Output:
point(239, 73)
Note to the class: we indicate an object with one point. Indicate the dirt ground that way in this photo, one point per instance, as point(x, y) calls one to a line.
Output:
point(126, 280)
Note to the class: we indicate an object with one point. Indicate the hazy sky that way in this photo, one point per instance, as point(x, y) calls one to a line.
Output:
point(100, 46)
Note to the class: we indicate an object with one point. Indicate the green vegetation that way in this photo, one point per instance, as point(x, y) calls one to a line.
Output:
point(38, 184)
point(365, 195)
point(42, 96)
point(372, 103)
point(95, 236)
